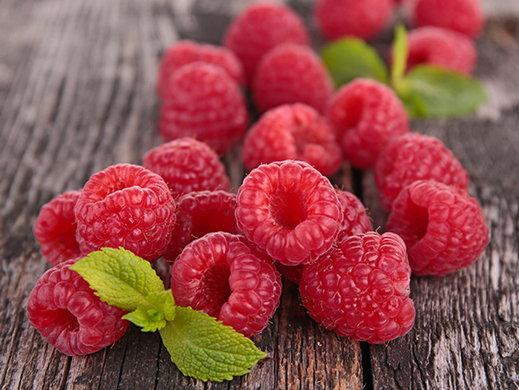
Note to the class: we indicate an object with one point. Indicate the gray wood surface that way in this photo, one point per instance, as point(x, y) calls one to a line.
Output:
point(77, 93)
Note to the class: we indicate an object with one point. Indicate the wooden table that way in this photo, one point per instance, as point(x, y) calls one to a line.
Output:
point(77, 94)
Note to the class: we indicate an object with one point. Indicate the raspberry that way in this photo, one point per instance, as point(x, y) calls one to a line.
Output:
point(68, 314)
point(187, 165)
point(290, 210)
point(412, 157)
point(366, 115)
point(125, 206)
point(362, 19)
point(441, 47)
point(55, 228)
point(291, 272)
point(199, 213)
point(444, 229)
point(187, 51)
point(463, 16)
point(222, 276)
point(261, 26)
point(291, 73)
point(355, 221)
point(295, 132)
point(360, 288)
point(205, 104)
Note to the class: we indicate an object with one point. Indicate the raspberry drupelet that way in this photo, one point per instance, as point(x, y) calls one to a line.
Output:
point(291, 73)
point(261, 26)
point(289, 209)
point(199, 213)
point(68, 314)
point(412, 157)
point(360, 288)
point(463, 16)
point(187, 165)
point(204, 103)
point(55, 228)
point(362, 19)
point(226, 278)
point(367, 115)
point(292, 131)
point(441, 47)
point(443, 227)
point(125, 206)
point(187, 51)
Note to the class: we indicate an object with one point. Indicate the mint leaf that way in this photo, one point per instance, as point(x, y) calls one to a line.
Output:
point(152, 317)
point(119, 277)
point(205, 349)
point(429, 91)
point(350, 58)
point(400, 52)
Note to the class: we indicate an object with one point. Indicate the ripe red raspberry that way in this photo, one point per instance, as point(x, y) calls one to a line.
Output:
point(366, 115)
point(362, 19)
point(291, 73)
point(444, 229)
point(205, 104)
point(290, 210)
point(68, 314)
point(261, 26)
point(187, 51)
point(412, 157)
point(55, 228)
point(199, 213)
point(360, 288)
point(125, 206)
point(463, 16)
point(441, 47)
point(224, 277)
point(296, 132)
point(356, 220)
point(187, 165)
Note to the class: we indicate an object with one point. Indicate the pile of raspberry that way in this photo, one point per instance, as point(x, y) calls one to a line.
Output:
point(229, 247)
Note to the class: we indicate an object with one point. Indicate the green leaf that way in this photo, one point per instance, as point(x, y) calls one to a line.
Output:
point(152, 317)
point(400, 52)
point(350, 58)
point(119, 277)
point(429, 91)
point(205, 349)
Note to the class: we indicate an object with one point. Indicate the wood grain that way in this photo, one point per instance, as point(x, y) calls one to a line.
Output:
point(77, 94)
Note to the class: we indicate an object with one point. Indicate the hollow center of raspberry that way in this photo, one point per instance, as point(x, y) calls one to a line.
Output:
point(418, 221)
point(288, 209)
point(67, 319)
point(215, 287)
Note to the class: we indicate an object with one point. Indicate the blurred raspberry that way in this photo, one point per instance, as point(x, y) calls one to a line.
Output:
point(199, 213)
point(360, 288)
point(366, 115)
point(261, 26)
point(412, 157)
point(290, 210)
point(67, 313)
point(125, 206)
point(187, 51)
point(187, 165)
point(463, 16)
point(296, 132)
point(222, 276)
point(441, 47)
point(291, 73)
point(55, 228)
point(206, 104)
point(359, 18)
point(444, 229)
point(356, 220)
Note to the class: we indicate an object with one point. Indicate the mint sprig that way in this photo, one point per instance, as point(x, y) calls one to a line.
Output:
point(199, 345)
point(426, 91)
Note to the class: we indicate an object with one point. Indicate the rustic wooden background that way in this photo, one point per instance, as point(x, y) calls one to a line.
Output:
point(77, 94)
